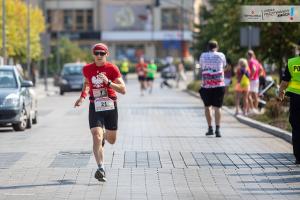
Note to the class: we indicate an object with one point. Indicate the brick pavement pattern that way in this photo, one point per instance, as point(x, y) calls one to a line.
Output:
point(161, 153)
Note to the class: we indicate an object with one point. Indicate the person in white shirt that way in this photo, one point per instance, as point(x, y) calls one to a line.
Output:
point(212, 64)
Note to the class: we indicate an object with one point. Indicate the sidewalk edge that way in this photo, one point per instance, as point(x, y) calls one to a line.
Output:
point(285, 135)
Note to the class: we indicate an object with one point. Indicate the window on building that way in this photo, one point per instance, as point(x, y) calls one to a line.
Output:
point(68, 20)
point(49, 16)
point(169, 19)
point(77, 20)
point(90, 20)
point(131, 52)
point(80, 20)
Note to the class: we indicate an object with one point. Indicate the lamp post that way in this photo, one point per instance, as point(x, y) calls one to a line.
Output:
point(28, 40)
point(3, 32)
point(182, 31)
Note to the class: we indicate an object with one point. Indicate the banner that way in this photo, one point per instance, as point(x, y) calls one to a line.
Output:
point(270, 13)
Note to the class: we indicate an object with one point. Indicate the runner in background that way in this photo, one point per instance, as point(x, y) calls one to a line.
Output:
point(124, 69)
point(141, 70)
point(151, 71)
point(180, 73)
point(212, 90)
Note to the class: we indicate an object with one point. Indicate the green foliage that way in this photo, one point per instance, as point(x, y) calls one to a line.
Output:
point(273, 109)
point(194, 86)
point(229, 99)
point(68, 52)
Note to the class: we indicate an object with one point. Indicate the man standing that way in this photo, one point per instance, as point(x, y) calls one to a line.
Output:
point(102, 80)
point(255, 70)
point(141, 70)
point(290, 86)
point(212, 90)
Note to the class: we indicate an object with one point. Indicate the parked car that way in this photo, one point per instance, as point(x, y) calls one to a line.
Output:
point(71, 78)
point(18, 103)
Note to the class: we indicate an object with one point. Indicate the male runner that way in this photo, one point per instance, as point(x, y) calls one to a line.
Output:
point(102, 80)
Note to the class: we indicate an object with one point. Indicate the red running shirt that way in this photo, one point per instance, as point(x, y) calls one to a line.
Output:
point(141, 69)
point(90, 72)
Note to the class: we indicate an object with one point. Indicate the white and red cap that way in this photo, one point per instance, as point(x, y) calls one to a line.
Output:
point(100, 47)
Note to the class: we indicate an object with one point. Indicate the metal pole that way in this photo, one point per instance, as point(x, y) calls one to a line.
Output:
point(3, 32)
point(193, 46)
point(181, 30)
point(45, 56)
point(249, 37)
point(58, 46)
point(46, 74)
point(28, 40)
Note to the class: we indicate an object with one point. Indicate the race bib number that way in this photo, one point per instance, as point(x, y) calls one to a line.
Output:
point(99, 93)
point(103, 104)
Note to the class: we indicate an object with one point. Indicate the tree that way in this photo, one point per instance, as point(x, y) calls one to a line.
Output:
point(223, 24)
point(68, 52)
point(16, 30)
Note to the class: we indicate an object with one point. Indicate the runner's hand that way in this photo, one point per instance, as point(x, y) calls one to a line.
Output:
point(103, 77)
point(78, 102)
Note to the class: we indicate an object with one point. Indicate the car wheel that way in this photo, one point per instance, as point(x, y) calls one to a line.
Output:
point(21, 126)
point(29, 122)
point(34, 120)
point(61, 92)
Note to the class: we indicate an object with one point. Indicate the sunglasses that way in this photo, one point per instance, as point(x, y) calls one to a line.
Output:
point(97, 53)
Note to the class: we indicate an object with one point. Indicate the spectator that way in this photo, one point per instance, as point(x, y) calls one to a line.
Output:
point(243, 85)
point(255, 70)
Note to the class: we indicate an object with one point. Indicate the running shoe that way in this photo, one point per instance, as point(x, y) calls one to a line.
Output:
point(209, 132)
point(100, 175)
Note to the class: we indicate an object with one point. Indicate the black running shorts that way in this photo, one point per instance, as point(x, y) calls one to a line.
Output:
point(141, 78)
point(150, 78)
point(212, 96)
point(105, 119)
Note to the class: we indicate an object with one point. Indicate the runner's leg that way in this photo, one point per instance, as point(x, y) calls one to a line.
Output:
point(111, 136)
point(217, 115)
point(208, 115)
point(97, 133)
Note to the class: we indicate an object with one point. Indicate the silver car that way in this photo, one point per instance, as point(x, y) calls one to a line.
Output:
point(18, 105)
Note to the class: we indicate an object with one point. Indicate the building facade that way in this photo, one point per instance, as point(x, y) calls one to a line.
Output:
point(131, 28)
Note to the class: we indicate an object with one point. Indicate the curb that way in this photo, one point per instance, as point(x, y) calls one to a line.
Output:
point(280, 133)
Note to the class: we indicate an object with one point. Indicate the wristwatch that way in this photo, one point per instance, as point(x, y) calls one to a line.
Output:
point(109, 82)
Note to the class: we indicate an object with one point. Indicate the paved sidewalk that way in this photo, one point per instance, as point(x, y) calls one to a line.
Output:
point(161, 153)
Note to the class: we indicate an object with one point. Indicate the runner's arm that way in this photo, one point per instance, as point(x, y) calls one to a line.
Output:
point(84, 92)
point(118, 85)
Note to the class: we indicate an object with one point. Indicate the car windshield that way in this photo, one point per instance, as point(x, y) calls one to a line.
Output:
point(72, 70)
point(7, 79)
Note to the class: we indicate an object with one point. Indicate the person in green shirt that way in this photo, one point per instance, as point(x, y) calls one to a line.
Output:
point(124, 69)
point(151, 71)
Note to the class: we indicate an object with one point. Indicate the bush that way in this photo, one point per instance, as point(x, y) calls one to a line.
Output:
point(229, 99)
point(273, 108)
point(194, 86)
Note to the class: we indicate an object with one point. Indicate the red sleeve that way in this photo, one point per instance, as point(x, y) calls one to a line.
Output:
point(116, 73)
point(84, 71)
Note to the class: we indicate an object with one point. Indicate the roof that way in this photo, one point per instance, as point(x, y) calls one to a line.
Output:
point(74, 64)
point(7, 67)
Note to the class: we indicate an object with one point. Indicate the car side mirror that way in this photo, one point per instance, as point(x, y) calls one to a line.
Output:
point(26, 84)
